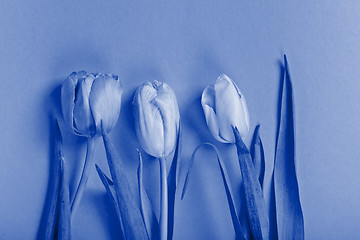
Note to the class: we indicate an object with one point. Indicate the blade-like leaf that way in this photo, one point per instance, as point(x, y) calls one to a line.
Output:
point(149, 217)
point(109, 186)
point(235, 219)
point(54, 200)
point(134, 227)
point(172, 184)
point(289, 217)
point(64, 228)
point(257, 155)
point(255, 202)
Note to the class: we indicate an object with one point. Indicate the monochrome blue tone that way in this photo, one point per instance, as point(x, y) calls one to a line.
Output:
point(186, 44)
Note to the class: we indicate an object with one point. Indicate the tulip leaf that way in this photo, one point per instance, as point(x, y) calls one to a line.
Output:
point(109, 186)
point(255, 202)
point(64, 228)
point(134, 227)
point(257, 155)
point(289, 216)
point(172, 184)
point(232, 206)
point(149, 217)
point(54, 199)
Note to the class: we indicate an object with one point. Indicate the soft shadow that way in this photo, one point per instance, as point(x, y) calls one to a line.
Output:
point(194, 119)
point(207, 67)
point(105, 211)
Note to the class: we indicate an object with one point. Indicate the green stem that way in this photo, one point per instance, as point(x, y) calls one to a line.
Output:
point(163, 200)
point(89, 162)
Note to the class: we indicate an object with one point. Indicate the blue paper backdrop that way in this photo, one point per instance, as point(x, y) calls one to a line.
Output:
point(187, 44)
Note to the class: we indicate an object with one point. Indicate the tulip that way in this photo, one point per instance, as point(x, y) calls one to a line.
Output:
point(156, 118)
point(89, 99)
point(224, 108)
point(157, 122)
point(90, 106)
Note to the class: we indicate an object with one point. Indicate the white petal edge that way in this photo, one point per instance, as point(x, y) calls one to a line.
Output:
point(105, 102)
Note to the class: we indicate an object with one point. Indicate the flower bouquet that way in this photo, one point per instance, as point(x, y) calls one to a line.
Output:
point(91, 106)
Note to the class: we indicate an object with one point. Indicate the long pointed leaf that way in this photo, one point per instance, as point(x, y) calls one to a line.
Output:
point(172, 184)
point(109, 186)
point(257, 155)
point(255, 202)
point(149, 217)
point(64, 228)
point(289, 217)
point(54, 204)
point(232, 206)
point(134, 227)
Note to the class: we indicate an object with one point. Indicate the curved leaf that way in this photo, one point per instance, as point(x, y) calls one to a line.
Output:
point(257, 155)
point(235, 219)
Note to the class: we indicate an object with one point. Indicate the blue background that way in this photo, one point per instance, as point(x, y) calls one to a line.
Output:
point(187, 44)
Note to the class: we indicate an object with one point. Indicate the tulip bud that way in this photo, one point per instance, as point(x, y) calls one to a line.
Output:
point(225, 107)
point(88, 100)
point(156, 118)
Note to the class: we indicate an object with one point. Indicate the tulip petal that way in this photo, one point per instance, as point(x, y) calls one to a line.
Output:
point(232, 206)
point(167, 104)
point(68, 90)
point(83, 120)
point(289, 216)
point(148, 121)
point(109, 186)
point(105, 102)
point(257, 155)
point(149, 217)
point(208, 105)
point(245, 120)
point(231, 109)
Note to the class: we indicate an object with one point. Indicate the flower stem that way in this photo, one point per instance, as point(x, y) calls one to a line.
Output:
point(163, 200)
point(84, 176)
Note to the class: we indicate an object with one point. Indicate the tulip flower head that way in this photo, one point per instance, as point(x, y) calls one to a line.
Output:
point(91, 99)
point(224, 108)
point(156, 118)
